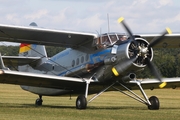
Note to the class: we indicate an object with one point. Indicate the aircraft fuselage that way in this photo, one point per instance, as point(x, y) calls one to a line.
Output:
point(97, 63)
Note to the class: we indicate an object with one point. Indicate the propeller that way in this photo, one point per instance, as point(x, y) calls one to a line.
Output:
point(153, 42)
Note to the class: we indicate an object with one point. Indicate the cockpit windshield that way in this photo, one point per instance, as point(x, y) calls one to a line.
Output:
point(109, 39)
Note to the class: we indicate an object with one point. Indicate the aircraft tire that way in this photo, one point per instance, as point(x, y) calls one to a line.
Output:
point(81, 102)
point(38, 102)
point(154, 103)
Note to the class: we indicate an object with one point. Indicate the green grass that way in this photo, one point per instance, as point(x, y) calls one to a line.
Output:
point(16, 104)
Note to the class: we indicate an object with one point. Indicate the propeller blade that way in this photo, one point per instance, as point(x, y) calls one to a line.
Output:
point(155, 72)
point(121, 20)
point(153, 69)
point(151, 66)
point(159, 38)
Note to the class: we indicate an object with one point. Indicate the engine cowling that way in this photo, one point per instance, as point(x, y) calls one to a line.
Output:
point(141, 53)
point(132, 55)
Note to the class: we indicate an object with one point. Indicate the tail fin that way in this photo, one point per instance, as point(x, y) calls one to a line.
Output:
point(32, 50)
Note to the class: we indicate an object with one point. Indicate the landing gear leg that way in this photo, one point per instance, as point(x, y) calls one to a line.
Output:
point(39, 101)
point(152, 103)
point(81, 101)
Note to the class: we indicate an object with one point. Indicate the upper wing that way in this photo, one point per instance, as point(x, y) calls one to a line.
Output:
point(169, 41)
point(44, 36)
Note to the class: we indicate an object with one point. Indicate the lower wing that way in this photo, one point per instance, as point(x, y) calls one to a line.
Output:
point(40, 80)
point(62, 82)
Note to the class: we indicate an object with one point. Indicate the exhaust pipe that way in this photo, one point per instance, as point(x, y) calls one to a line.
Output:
point(129, 77)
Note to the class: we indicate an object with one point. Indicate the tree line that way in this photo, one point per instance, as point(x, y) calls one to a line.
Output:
point(14, 50)
point(167, 61)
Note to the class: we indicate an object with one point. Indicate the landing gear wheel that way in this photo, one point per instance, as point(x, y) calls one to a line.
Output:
point(39, 101)
point(154, 103)
point(81, 102)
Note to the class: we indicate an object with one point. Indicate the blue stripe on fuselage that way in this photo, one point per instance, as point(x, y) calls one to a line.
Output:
point(92, 56)
point(96, 56)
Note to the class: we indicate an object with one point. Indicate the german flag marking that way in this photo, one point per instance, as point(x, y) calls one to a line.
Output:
point(24, 47)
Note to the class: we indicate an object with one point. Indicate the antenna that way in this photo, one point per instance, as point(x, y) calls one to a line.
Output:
point(108, 23)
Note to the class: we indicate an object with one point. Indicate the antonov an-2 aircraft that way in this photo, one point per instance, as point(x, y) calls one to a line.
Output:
point(91, 63)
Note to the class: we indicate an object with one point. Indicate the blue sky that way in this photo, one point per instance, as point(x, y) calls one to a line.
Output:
point(142, 16)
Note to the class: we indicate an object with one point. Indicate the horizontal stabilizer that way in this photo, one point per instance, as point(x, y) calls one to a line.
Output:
point(20, 60)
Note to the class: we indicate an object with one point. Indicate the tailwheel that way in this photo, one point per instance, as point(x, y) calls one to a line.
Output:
point(154, 103)
point(81, 102)
point(39, 101)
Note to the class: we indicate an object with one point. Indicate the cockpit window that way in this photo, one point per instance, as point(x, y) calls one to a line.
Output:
point(122, 37)
point(106, 40)
point(113, 38)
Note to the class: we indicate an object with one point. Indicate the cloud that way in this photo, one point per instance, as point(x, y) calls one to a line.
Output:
point(177, 18)
point(164, 3)
point(37, 15)
point(140, 15)
point(13, 18)
point(93, 22)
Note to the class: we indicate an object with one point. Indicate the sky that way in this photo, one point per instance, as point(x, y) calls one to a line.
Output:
point(142, 16)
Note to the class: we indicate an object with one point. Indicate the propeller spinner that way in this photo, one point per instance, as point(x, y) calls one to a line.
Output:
point(142, 52)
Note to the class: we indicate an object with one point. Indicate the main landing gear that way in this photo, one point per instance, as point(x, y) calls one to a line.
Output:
point(81, 102)
point(39, 101)
point(152, 103)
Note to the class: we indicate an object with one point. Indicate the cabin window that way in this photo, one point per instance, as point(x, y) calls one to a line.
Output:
point(77, 61)
point(87, 57)
point(73, 63)
point(82, 59)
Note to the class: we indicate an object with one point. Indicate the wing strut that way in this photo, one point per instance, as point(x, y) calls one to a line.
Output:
point(2, 64)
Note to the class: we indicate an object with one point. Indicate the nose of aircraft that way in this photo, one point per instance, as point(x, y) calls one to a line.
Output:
point(142, 52)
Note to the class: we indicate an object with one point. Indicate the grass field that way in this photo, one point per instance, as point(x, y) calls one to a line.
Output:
point(16, 104)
